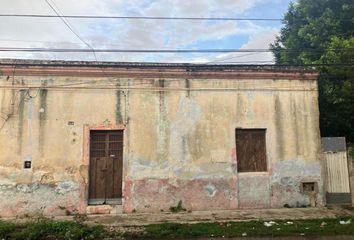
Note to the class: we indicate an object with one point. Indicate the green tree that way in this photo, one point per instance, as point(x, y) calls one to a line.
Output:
point(322, 32)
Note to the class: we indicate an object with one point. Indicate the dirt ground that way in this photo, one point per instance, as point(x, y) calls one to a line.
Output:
point(141, 219)
point(135, 223)
point(284, 238)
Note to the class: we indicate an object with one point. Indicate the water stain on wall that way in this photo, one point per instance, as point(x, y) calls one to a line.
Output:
point(162, 142)
point(42, 112)
point(188, 86)
point(21, 113)
point(118, 110)
point(279, 126)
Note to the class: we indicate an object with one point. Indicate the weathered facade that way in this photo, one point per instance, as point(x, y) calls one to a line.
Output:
point(80, 134)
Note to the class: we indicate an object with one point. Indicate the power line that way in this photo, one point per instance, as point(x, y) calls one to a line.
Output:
point(228, 58)
point(260, 63)
point(139, 17)
point(152, 17)
point(170, 64)
point(114, 50)
point(146, 88)
point(58, 14)
point(67, 23)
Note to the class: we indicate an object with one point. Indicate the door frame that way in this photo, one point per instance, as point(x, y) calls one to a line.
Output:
point(85, 167)
point(107, 192)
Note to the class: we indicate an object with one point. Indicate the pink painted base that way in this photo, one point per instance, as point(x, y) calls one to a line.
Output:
point(160, 195)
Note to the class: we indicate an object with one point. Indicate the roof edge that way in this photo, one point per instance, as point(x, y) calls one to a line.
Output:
point(148, 69)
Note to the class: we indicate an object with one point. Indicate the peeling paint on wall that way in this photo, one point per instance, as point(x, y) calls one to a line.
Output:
point(178, 145)
point(211, 190)
point(253, 191)
point(187, 117)
point(37, 199)
point(159, 195)
point(286, 182)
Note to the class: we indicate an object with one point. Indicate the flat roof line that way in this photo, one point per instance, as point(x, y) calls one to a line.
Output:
point(203, 66)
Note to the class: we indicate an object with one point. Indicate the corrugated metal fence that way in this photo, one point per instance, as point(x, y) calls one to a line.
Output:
point(337, 174)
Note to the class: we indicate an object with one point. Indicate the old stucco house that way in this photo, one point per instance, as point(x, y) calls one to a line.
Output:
point(86, 137)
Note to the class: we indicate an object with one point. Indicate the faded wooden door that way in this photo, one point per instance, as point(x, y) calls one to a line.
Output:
point(106, 167)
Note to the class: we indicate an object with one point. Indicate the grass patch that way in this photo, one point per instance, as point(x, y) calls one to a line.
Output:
point(43, 228)
point(47, 229)
point(6, 228)
point(316, 227)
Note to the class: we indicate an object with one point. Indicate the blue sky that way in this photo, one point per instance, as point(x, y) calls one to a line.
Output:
point(144, 34)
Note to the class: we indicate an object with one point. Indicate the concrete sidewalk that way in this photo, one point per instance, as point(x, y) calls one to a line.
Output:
point(141, 219)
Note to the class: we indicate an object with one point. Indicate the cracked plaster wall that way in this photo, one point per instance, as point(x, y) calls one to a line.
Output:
point(178, 145)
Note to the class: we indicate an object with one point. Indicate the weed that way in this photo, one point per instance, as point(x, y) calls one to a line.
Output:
point(6, 228)
point(80, 218)
point(348, 207)
point(178, 208)
point(314, 227)
point(43, 228)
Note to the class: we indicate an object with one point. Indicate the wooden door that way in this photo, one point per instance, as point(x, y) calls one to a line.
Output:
point(106, 167)
point(251, 150)
point(251, 157)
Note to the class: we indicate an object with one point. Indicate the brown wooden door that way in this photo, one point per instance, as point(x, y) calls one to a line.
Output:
point(106, 167)
point(251, 150)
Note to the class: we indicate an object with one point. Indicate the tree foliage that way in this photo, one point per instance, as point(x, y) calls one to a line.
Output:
point(322, 32)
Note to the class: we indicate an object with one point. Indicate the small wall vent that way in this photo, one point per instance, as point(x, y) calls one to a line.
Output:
point(309, 187)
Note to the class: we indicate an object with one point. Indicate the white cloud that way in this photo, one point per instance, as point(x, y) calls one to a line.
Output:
point(126, 34)
point(260, 40)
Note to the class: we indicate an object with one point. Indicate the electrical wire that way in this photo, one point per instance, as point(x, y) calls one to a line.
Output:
point(67, 23)
point(149, 88)
point(23, 98)
point(114, 50)
point(292, 65)
point(138, 87)
point(168, 65)
point(188, 66)
point(228, 58)
point(11, 111)
point(154, 17)
point(72, 29)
